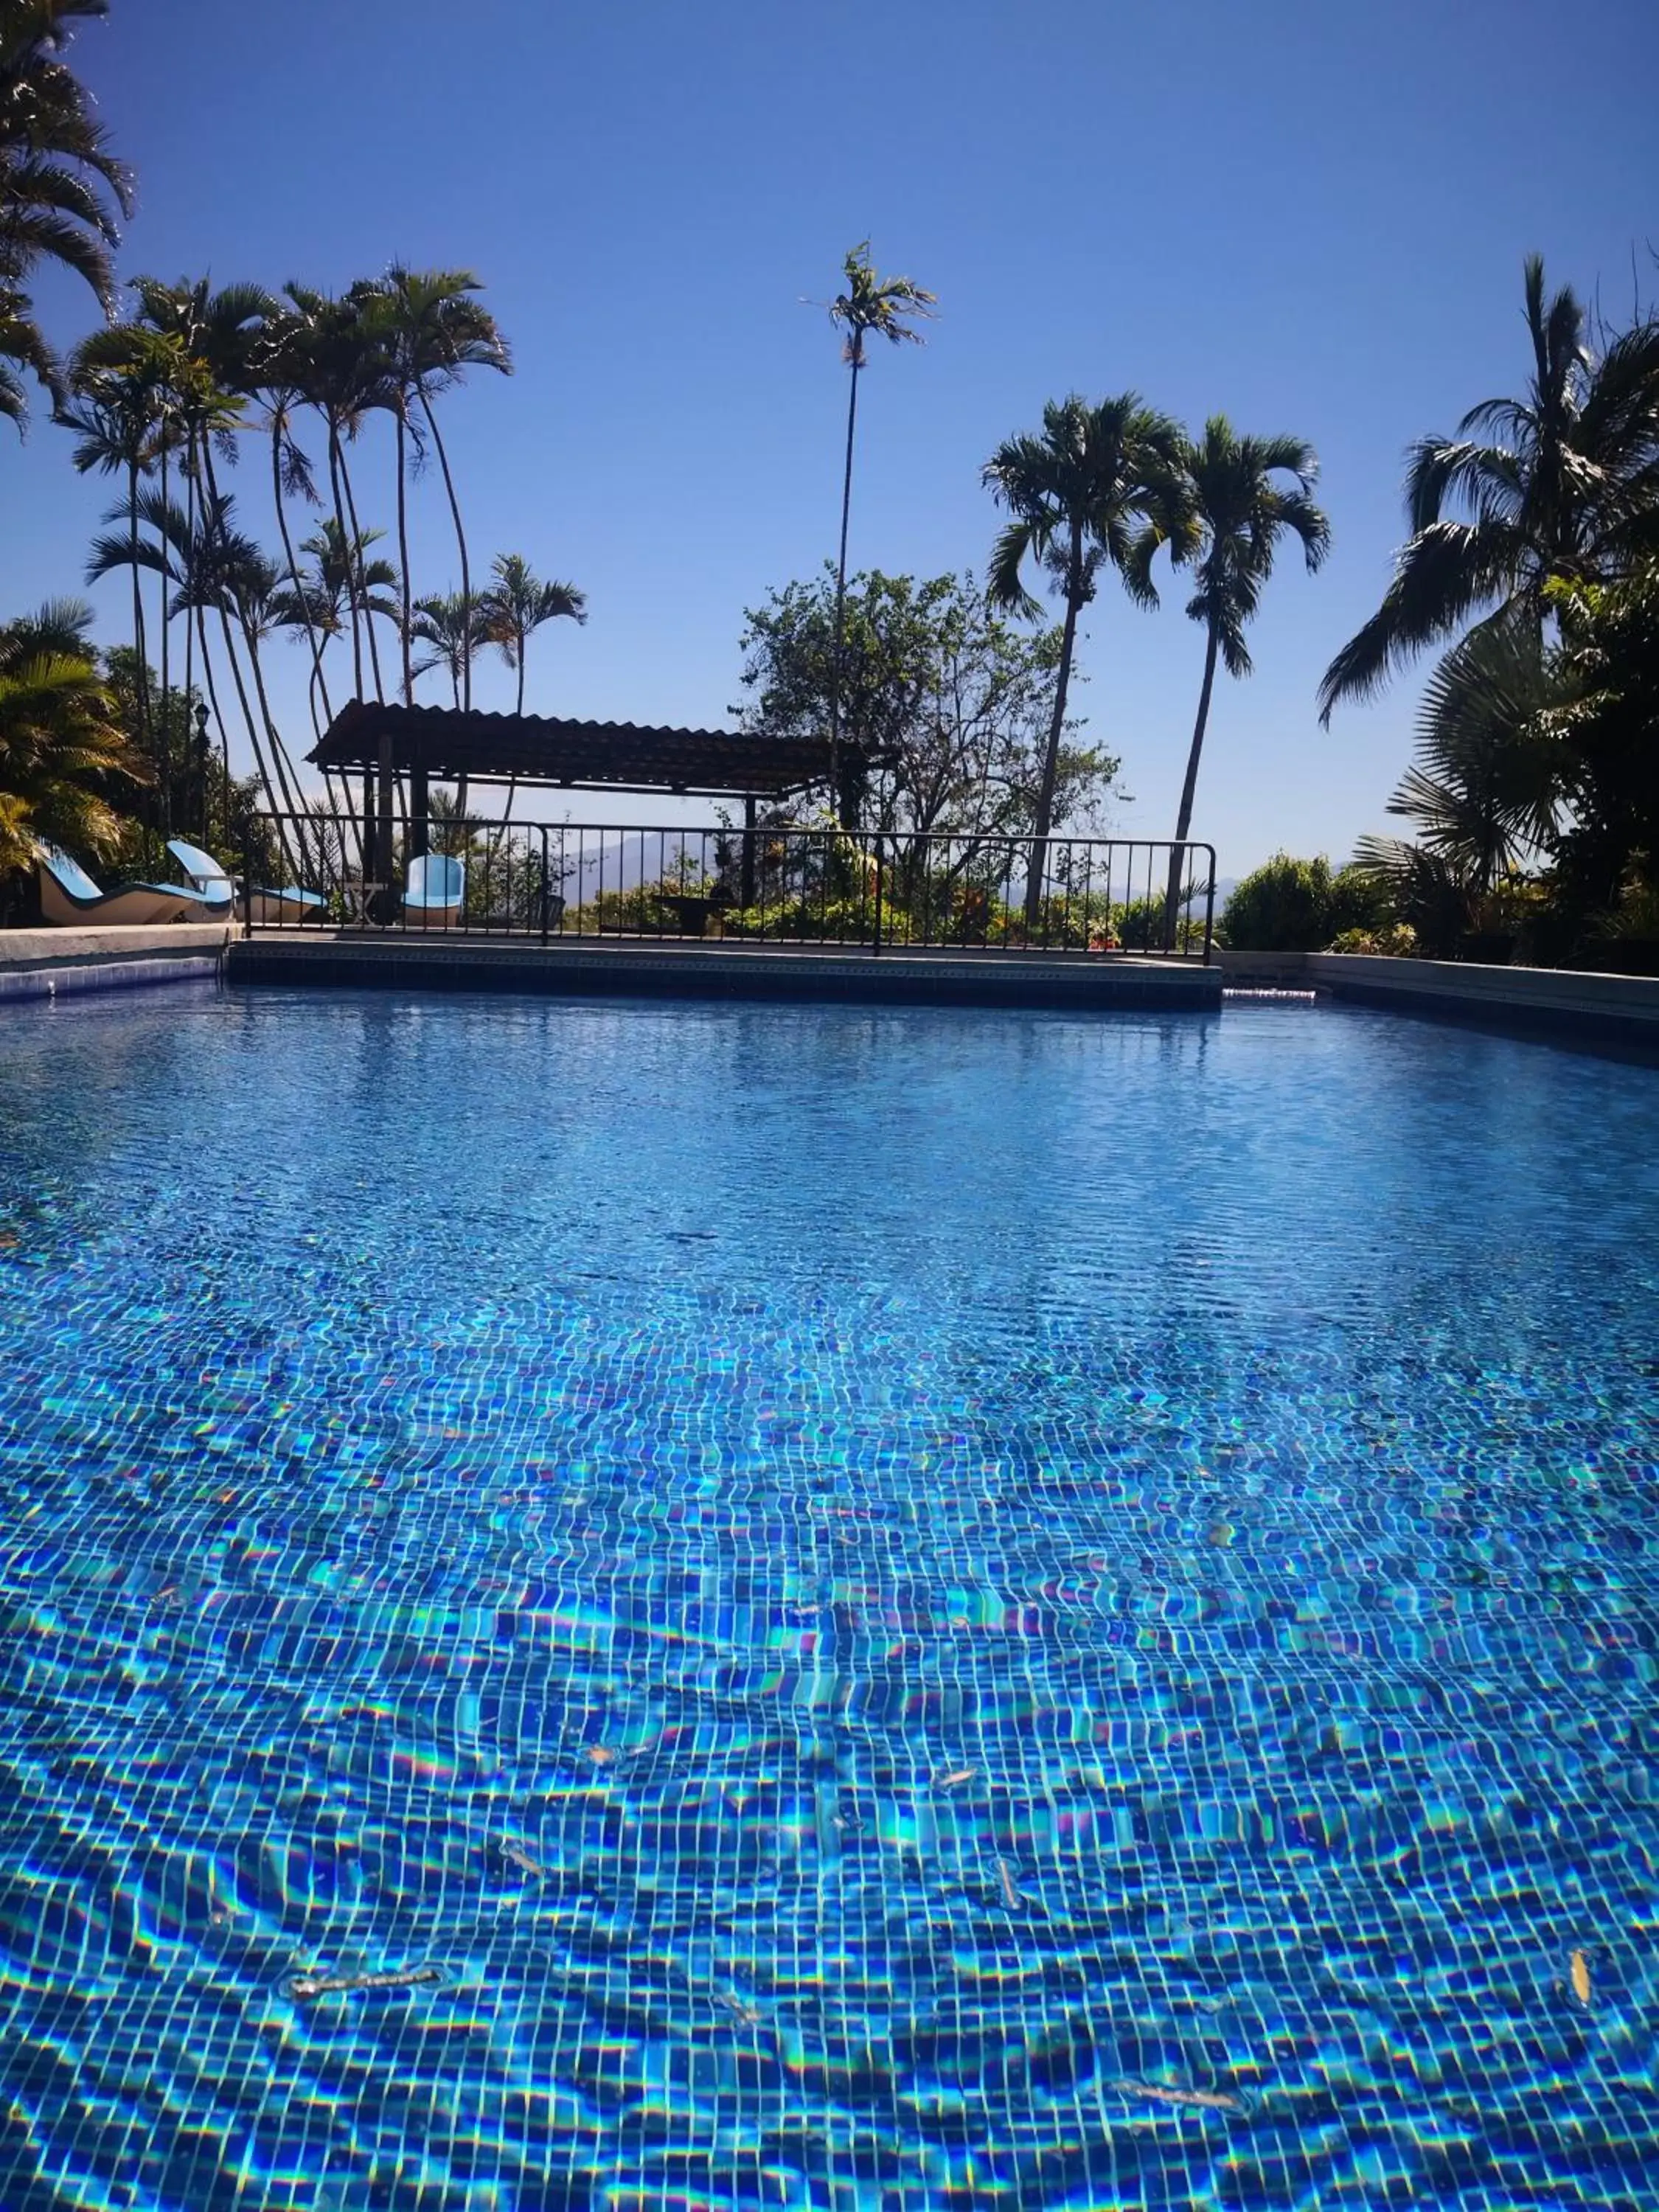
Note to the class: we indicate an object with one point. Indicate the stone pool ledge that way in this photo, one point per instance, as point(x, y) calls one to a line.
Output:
point(613, 967)
point(50, 963)
point(1566, 1001)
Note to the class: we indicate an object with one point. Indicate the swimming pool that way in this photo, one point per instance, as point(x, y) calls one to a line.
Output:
point(864, 1609)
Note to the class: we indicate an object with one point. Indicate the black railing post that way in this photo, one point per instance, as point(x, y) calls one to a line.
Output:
point(875, 941)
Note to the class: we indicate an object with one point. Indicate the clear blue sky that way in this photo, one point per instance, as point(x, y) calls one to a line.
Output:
point(1309, 216)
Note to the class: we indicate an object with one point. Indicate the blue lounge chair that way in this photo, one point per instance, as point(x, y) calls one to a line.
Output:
point(70, 900)
point(435, 891)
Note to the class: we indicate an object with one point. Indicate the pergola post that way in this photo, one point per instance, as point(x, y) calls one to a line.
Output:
point(747, 886)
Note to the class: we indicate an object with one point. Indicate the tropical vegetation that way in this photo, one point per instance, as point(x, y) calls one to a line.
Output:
point(237, 429)
point(1534, 557)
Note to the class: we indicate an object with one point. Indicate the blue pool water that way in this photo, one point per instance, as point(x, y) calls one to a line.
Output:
point(873, 1610)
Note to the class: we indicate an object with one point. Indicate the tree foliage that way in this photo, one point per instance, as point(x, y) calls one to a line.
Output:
point(1562, 481)
point(953, 694)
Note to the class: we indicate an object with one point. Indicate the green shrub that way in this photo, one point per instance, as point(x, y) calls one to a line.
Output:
point(1360, 901)
point(1286, 906)
point(1395, 940)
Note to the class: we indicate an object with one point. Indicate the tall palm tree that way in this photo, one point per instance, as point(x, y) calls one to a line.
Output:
point(60, 188)
point(276, 369)
point(451, 625)
point(1563, 481)
point(341, 366)
point(517, 604)
point(1080, 494)
point(872, 306)
point(117, 412)
point(453, 630)
point(210, 567)
point(432, 328)
point(1240, 514)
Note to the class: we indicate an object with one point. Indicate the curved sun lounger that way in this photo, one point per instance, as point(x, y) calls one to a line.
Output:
point(269, 902)
point(288, 903)
point(70, 898)
point(436, 888)
point(209, 879)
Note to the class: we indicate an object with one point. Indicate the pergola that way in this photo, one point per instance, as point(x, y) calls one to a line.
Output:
point(551, 753)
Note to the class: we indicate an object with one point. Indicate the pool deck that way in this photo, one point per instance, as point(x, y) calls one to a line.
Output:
point(51, 963)
point(721, 970)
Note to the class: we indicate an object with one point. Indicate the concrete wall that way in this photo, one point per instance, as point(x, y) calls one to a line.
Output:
point(48, 963)
point(397, 962)
point(1561, 999)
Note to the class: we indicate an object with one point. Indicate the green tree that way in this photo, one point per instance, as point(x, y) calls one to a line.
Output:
point(1241, 512)
point(1080, 494)
point(1486, 786)
point(61, 742)
point(429, 328)
point(451, 625)
point(1561, 483)
point(518, 603)
point(1606, 721)
point(953, 697)
point(117, 412)
point(1284, 906)
point(870, 305)
point(61, 187)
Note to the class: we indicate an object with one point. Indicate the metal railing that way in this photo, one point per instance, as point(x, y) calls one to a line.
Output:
point(867, 889)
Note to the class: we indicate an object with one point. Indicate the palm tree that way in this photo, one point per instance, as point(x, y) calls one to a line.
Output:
point(517, 604)
point(1081, 494)
point(23, 346)
point(431, 329)
point(60, 188)
point(452, 626)
point(339, 365)
point(117, 413)
point(277, 371)
point(870, 305)
point(1240, 514)
point(210, 567)
point(60, 740)
point(1563, 481)
point(1487, 788)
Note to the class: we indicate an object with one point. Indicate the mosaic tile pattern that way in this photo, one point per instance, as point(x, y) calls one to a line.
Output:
point(862, 1610)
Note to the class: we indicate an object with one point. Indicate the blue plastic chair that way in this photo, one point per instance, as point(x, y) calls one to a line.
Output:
point(436, 892)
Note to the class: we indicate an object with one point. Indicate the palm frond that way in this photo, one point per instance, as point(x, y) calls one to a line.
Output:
point(1443, 575)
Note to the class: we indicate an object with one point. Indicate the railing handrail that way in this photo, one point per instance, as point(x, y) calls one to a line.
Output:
point(800, 883)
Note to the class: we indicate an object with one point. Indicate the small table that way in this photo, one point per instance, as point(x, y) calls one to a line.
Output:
point(358, 895)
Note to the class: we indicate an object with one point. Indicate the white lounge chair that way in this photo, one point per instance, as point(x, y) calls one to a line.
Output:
point(287, 903)
point(70, 900)
point(435, 893)
point(205, 874)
